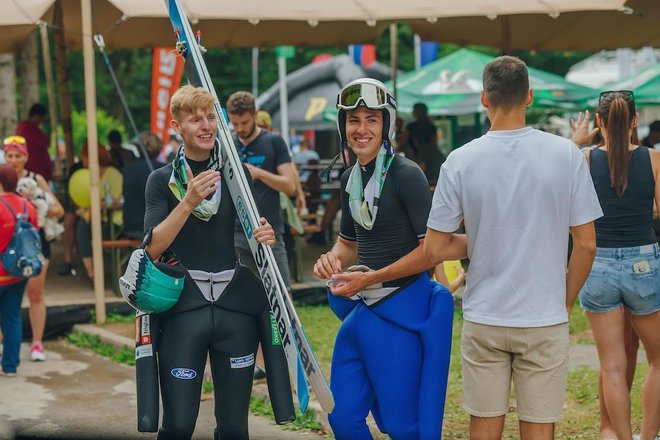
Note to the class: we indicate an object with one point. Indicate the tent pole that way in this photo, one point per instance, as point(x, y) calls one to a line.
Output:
point(255, 71)
point(52, 103)
point(284, 100)
point(92, 142)
point(394, 37)
point(63, 82)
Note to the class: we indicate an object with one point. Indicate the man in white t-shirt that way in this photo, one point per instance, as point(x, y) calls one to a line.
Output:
point(519, 191)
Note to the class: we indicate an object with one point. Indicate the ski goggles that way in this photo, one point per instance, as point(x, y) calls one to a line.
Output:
point(369, 95)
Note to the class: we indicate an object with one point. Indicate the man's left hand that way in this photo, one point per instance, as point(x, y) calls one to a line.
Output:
point(348, 284)
point(264, 234)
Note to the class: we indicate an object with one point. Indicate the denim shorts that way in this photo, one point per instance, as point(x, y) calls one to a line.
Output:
point(627, 277)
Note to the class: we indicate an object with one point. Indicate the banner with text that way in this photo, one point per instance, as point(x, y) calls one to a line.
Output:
point(166, 73)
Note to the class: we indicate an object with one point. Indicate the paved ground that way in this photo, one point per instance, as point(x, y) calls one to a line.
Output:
point(77, 394)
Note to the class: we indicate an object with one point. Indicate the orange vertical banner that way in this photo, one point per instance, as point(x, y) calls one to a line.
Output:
point(166, 73)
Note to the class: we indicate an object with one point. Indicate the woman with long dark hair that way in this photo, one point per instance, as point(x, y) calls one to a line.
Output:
point(626, 272)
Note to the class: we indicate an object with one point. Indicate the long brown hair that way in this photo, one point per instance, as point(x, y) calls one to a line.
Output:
point(617, 113)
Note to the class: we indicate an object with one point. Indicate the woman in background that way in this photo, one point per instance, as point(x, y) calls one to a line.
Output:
point(625, 273)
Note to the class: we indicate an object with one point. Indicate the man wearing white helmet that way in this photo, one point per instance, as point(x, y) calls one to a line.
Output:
point(383, 361)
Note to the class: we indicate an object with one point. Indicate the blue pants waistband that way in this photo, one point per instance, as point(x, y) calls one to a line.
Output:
point(620, 253)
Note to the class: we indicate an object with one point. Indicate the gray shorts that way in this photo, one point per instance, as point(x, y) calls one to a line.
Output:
point(279, 250)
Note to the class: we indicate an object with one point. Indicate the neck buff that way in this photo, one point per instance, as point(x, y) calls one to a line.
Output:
point(178, 183)
point(363, 203)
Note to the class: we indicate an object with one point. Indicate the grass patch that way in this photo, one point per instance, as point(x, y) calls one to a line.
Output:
point(118, 317)
point(261, 407)
point(122, 355)
point(581, 416)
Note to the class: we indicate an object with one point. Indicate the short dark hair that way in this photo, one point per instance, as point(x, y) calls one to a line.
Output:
point(8, 178)
point(506, 82)
point(241, 102)
point(114, 137)
point(420, 106)
point(654, 127)
point(37, 109)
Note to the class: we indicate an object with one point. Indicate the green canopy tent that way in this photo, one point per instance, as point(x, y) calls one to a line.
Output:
point(452, 86)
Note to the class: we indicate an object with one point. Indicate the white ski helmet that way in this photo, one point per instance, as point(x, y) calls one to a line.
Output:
point(371, 94)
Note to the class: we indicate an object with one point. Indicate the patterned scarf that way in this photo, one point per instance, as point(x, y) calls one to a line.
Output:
point(179, 183)
point(363, 204)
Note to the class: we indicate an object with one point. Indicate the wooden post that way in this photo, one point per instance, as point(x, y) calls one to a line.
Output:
point(52, 103)
point(63, 82)
point(394, 57)
point(92, 138)
point(506, 35)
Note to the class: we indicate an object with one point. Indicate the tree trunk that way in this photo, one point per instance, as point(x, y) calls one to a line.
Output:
point(28, 71)
point(63, 82)
point(7, 95)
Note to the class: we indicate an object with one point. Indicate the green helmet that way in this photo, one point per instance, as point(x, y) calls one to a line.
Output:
point(151, 287)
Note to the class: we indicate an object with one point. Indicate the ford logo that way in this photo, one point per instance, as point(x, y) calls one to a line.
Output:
point(184, 373)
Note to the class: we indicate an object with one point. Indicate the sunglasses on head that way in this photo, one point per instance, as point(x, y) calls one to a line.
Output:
point(9, 140)
point(625, 94)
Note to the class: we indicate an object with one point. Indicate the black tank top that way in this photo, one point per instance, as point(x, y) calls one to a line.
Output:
point(627, 221)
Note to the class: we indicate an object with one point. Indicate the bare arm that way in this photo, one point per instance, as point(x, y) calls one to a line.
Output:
point(56, 210)
point(301, 203)
point(441, 277)
point(655, 166)
point(441, 246)
point(284, 181)
point(582, 257)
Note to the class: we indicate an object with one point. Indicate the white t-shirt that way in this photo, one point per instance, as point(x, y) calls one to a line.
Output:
point(518, 191)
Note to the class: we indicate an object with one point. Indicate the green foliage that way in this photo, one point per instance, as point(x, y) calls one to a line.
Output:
point(104, 123)
point(118, 317)
point(207, 387)
point(578, 322)
point(261, 407)
point(122, 355)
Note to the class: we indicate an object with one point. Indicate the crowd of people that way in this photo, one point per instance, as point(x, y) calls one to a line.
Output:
point(508, 201)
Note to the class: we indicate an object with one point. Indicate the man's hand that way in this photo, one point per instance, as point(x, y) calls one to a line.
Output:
point(255, 172)
point(327, 265)
point(349, 283)
point(200, 186)
point(264, 234)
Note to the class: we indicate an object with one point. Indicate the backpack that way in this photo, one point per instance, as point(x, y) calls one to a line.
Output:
point(23, 257)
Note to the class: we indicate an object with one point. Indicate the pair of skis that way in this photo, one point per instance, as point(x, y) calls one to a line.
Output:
point(303, 365)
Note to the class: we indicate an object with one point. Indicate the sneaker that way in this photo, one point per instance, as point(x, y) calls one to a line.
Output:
point(259, 373)
point(67, 270)
point(5, 374)
point(37, 353)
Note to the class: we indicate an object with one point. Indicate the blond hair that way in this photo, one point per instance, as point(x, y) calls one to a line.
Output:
point(189, 99)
